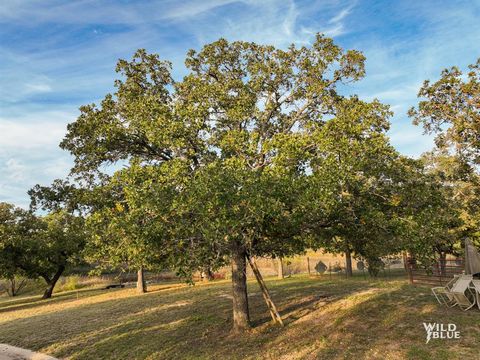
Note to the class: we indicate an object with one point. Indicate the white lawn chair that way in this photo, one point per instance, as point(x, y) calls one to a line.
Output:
point(476, 286)
point(462, 292)
point(444, 295)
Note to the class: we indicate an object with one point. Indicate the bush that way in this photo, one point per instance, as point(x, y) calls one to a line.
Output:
point(374, 266)
point(72, 282)
point(13, 286)
point(335, 267)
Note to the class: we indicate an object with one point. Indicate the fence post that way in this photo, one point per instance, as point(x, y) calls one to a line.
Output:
point(442, 269)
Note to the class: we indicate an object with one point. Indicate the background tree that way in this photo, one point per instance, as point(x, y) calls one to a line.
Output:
point(352, 188)
point(13, 275)
point(459, 185)
point(41, 246)
point(427, 215)
point(57, 247)
point(60, 195)
point(450, 109)
point(125, 229)
point(60, 244)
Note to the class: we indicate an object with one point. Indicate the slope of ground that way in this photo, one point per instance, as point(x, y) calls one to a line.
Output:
point(324, 319)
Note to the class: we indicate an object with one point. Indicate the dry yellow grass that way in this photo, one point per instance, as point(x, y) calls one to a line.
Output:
point(325, 319)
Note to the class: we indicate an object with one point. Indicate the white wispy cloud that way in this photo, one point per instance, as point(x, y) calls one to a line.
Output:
point(33, 132)
point(104, 12)
point(342, 14)
point(189, 9)
point(427, 40)
point(279, 23)
point(38, 87)
point(29, 152)
point(15, 170)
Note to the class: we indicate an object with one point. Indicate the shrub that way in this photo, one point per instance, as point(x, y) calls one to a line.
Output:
point(374, 266)
point(335, 267)
point(72, 282)
point(13, 286)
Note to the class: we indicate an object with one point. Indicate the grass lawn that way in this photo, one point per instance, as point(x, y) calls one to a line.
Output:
point(325, 318)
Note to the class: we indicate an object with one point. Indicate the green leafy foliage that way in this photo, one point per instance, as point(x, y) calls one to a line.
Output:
point(39, 246)
point(351, 194)
point(232, 136)
point(450, 109)
point(216, 161)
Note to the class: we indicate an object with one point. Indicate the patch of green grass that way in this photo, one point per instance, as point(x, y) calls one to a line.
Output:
point(417, 353)
point(324, 319)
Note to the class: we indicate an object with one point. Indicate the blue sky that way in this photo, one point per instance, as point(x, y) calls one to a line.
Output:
point(56, 55)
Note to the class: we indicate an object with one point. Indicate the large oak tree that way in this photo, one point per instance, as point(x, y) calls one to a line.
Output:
point(239, 121)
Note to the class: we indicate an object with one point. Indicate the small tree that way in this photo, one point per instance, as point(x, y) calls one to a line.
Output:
point(58, 246)
point(13, 285)
point(12, 275)
point(427, 216)
point(124, 230)
point(61, 239)
point(34, 246)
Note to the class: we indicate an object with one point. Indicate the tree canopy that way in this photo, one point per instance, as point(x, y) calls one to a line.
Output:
point(237, 127)
point(34, 246)
point(450, 109)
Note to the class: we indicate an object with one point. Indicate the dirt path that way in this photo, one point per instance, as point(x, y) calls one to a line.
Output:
point(8, 352)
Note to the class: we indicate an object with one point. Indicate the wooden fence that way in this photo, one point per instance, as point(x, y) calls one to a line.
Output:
point(438, 273)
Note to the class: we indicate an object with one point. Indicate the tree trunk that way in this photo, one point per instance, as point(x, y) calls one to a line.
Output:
point(13, 291)
point(15, 286)
point(348, 262)
point(141, 283)
point(52, 282)
point(208, 274)
point(308, 266)
point(280, 268)
point(443, 263)
point(241, 316)
point(405, 265)
point(411, 264)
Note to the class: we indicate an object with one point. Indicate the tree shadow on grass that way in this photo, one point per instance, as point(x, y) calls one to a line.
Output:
point(36, 301)
point(378, 323)
point(186, 318)
point(323, 320)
